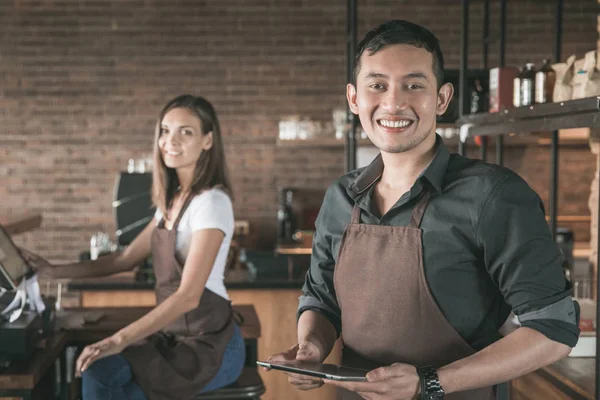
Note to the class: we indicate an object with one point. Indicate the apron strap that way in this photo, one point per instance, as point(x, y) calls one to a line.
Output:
point(419, 210)
point(182, 211)
point(355, 215)
point(161, 223)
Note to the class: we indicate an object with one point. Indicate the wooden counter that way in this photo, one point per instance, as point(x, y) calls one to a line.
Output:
point(275, 302)
point(116, 318)
point(571, 378)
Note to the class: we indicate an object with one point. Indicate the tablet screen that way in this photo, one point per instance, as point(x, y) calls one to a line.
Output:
point(327, 371)
point(13, 266)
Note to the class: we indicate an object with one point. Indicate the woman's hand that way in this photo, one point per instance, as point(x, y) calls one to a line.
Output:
point(39, 264)
point(104, 348)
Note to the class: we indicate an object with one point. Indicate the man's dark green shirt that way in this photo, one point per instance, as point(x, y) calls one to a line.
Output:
point(487, 249)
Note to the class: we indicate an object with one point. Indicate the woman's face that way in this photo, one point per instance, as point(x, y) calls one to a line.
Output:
point(181, 140)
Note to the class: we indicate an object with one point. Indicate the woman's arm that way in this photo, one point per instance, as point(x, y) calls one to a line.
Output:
point(201, 257)
point(110, 264)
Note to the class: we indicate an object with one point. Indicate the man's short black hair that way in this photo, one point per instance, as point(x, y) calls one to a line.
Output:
point(402, 32)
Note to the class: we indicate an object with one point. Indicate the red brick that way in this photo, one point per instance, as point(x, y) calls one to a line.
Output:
point(83, 81)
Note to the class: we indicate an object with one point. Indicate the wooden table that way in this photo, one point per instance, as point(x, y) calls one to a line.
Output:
point(571, 378)
point(575, 374)
point(30, 379)
point(116, 318)
point(293, 250)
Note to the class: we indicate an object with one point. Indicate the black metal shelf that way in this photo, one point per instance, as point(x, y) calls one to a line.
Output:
point(580, 113)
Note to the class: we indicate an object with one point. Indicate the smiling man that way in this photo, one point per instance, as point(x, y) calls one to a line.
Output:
point(421, 258)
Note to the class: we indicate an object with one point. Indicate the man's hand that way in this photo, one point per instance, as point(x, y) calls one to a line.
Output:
point(39, 264)
point(305, 351)
point(397, 382)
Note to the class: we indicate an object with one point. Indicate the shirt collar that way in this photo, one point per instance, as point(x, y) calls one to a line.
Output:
point(434, 173)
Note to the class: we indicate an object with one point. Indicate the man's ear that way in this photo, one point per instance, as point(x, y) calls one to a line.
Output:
point(351, 96)
point(444, 96)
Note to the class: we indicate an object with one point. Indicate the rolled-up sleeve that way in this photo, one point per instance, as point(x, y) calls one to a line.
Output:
point(318, 292)
point(525, 262)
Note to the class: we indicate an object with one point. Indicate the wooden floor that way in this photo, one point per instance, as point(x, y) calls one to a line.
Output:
point(276, 310)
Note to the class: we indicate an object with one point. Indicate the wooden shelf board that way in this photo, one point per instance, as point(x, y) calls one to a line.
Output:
point(570, 114)
point(293, 250)
point(525, 140)
point(19, 223)
point(510, 140)
point(331, 141)
point(572, 218)
point(582, 250)
point(323, 142)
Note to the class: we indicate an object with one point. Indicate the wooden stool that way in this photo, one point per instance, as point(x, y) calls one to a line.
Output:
point(248, 386)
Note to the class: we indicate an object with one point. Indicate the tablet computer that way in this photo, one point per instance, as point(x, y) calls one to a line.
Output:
point(325, 371)
point(13, 267)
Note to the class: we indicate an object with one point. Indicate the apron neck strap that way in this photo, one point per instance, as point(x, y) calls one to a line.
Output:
point(187, 202)
point(355, 215)
point(419, 210)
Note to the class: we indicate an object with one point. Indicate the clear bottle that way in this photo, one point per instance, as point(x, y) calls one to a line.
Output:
point(131, 166)
point(565, 240)
point(528, 85)
point(544, 83)
point(478, 97)
point(517, 89)
point(286, 221)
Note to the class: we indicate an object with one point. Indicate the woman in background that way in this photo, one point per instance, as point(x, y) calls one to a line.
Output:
point(189, 342)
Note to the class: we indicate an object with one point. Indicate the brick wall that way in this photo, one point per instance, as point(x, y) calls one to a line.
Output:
point(82, 81)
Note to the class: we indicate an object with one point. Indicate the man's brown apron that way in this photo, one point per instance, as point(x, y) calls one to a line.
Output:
point(388, 312)
point(179, 361)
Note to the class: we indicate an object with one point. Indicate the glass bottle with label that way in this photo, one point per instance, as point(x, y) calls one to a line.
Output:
point(544, 83)
point(517, 88)
point(528, 85)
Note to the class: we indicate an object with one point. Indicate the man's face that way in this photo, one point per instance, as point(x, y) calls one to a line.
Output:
point(396, 97)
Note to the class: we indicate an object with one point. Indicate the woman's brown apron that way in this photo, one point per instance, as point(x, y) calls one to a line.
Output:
point(177, 362)
point(388, 312)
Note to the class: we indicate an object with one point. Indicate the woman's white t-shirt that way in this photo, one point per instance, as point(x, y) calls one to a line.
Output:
point(211, 209)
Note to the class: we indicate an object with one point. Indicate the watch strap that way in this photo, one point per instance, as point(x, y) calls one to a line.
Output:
point(431, 389)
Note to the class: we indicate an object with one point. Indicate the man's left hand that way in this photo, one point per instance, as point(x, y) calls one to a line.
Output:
point(397, 382)
point(104, 348)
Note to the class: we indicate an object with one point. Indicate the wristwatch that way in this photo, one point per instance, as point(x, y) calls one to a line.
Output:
point(430, 383)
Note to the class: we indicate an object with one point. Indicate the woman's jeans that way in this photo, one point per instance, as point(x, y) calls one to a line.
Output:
point(110, 378)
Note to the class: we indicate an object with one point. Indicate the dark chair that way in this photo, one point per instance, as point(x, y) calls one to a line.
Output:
point(248, 386)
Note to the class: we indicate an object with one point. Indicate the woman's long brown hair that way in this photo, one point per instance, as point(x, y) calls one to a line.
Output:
point(211, 168)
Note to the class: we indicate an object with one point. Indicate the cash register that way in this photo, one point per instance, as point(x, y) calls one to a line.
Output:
point(20, 327)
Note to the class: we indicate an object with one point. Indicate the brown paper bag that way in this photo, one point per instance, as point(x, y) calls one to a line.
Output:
point(564, 74)
point(586, 80)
